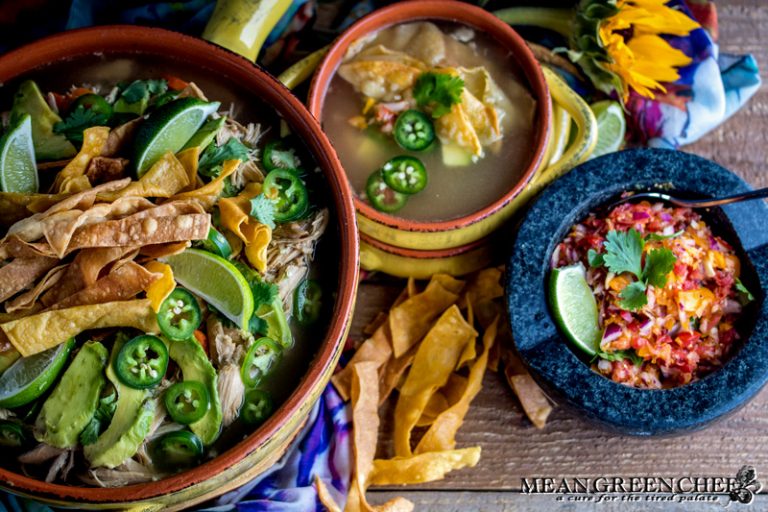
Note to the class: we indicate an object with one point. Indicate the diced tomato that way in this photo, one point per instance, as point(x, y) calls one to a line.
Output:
point(175, 83)
point(202, 339)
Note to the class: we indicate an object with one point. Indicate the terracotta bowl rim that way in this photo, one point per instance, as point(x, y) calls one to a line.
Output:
point(127, 39)
point(452, 11)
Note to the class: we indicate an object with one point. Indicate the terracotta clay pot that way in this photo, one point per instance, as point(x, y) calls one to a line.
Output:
point(419, 235)
point(124, 52)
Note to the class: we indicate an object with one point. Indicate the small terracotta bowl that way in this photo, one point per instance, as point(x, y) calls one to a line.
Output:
point(128, 52)
point(461, 231)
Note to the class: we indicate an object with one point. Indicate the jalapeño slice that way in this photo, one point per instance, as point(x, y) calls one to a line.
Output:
point(405, 174)
point(179, 315)
point(383, 197)
point(277, 155)
point(257, 407)
point(307, 302)
point(177, 449)
point(263, 355)
point(187, 401)
point(94, 103)
point(414, 131)
point(142, 362)
point(288, 193)
point(217, 244)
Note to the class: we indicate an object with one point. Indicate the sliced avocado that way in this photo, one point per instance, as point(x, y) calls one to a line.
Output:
point(129, 426)
point(137, 107)
point(72, 404)
point(48, 145)
point(205, 135)
point(277, 325)
point(455, 156)
point(7, 358)
point(194, 364)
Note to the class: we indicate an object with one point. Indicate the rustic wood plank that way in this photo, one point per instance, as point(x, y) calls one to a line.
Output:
point(569, 447)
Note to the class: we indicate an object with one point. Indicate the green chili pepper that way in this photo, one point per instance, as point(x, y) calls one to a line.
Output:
point(142, 362)
point(383, 197)
point(179, 315)
point(414, 130)
point(261, 358)
point(187, 401)
point(405, 174)
point(257, 407)
point(307, 302)
point(288, 193)
point(178, 449)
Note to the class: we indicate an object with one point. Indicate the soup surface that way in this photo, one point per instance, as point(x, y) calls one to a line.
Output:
point(483, 141)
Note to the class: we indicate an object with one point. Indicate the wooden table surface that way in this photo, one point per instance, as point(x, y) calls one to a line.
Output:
point(569, 447)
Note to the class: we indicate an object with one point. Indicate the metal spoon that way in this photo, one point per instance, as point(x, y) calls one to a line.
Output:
point(695, 203)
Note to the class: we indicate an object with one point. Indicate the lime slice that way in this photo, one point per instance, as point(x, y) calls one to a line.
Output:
point(30, 377)
point(168, 129)
point(611, 126)
point(217, 281)
point(575, 307)
point(18, 168)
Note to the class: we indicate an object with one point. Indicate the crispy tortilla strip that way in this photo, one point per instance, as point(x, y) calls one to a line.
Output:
point(325, 496)
point(190, 159)
point(482, 286)
point(33, 334)
point(391, 373)
point(122, 283)
point(235, 216)
point(70, 179)
point(213, 187)
point(21, 273)
point(376, 349)
point(410, 320)
point(433, 364)
point(425, 467)
point(15, 247)
point(162, 288)
point(27, 301)
point(365, 431)
point(442, 433)
point(443, 398)
point(166, 177)
point(154, 252)
point(382, 80)
point(102, 169)
point(135, 231)
point(532, 398)
point(83, 271)
point(15, 207)
point(455, 127)
point(120, 136)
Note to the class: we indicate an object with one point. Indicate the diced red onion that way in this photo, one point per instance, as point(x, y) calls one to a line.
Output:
point(612, 333)
point(640, 215)
point(731, 306)
point(645, 327)
point(666, 217)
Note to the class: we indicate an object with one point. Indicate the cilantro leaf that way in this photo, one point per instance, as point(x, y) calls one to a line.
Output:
point(624, 252)
point(214, 156)
point(621, 355)
point(263, 210)
point(656, 237)
point(230, 189)
point(103, 415)
point(744, 294)
point(658, 263)
point(633, 296)
point(438, 92)
point(139, 90)
point(77, 121)
point(90, 433)
point(595, 258)
point(263, 292)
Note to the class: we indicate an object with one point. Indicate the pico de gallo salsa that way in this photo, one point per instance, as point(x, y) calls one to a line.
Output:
point(667, 289)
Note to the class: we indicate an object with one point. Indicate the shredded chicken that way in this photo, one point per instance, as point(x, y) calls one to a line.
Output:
point(61, 466)
point(40, 453)
point(6, 414)
point(228, 345)
point(231, 392)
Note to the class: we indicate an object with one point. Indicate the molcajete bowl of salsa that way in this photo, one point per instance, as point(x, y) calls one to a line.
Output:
point(172, 417)
point(643, 318)
point(440, 116)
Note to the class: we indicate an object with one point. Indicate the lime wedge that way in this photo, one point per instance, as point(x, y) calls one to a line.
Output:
point(168, 129)
point(217, 281)
point(611, 126)
point(18, 168)
point(575, 307)
point(30, 377)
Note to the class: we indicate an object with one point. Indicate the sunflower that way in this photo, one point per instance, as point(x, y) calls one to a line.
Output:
point(638, 54)
point(617, 43)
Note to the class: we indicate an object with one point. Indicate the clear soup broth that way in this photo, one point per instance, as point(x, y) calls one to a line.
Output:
point(369, 87)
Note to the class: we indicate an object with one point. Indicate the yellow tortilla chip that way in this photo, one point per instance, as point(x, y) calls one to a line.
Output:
point(235, 216)
point(410, 320)
point(166, 177)
point(215, 186)
point(71, 177)
point(33, 334)
point(27, 301)
point(162, 288)
point(433, 364)
point(156, 251)
point(380, 79)
point(365, 417)
point(532, 398)
point(122, 283)
point(456, 127)
point(190, 159)
point(376, 349)
point(21, 273)
point(391, 373)
point(324, 495)
point(443, 398)
point(120, 136)
point(425, 467)
point(442, 433)
point(15, 206)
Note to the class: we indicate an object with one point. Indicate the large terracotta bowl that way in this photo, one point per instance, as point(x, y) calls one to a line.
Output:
point(439, 235)
point(122, 52)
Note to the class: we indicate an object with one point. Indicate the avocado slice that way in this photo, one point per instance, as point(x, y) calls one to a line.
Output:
point(205, 135)
point(277, 325)
point(194, 364)
point(137, 107)
point(7, 358)
point(73, 403)
point(130, 425)
point(48, 145)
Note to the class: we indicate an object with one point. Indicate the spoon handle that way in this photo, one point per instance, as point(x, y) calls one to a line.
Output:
point(706, 203)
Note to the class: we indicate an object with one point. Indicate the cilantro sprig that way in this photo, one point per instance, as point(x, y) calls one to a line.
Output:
point(263, 210)
point(438, 92)
point(78, 121)
point(624, 253)
point(214, 156)
point(103, 415)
